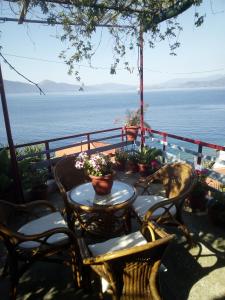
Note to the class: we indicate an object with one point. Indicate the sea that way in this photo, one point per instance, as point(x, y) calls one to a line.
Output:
point(193, 113)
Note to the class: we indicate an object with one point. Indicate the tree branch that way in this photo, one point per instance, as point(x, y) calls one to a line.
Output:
point(6, 61)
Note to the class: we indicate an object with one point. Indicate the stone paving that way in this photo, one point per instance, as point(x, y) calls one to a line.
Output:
point(194, 274)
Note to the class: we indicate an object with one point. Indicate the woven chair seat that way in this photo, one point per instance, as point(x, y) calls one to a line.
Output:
point(48, 222)
point(142, 204)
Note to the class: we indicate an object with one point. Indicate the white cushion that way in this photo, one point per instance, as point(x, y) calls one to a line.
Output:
point(118, 243)
point(48, 222)
point(142, 204)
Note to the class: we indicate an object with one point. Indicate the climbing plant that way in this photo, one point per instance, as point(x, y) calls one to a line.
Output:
point(124, 19)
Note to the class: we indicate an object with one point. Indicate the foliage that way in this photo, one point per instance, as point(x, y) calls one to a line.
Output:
point(97, 165)
point(135, 16)
point(200, 187)
point(121, 155)
point(30, 175)
point(147, 155)
point(5, 174)
point(133, 118)
point(133, 156)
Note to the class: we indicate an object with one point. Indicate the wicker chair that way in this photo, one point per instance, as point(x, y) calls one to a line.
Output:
point(178, 180)
point(39, 239)
point(67, 177)
point(128, 266)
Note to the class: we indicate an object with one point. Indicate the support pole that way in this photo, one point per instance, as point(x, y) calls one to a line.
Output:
point(141, 88)
point(15, 169)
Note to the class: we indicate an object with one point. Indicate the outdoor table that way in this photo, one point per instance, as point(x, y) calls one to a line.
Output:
point(109, 213)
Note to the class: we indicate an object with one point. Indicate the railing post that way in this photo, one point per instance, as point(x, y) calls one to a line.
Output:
point(199, 159)
point(48, 157)
point(88, 143)
point(122, 131)
point(164, 146)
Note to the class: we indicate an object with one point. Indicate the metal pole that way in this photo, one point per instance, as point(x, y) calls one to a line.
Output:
point(15, 169)
point(141, 88)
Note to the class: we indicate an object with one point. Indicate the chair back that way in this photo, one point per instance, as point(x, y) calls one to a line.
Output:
point(133, 272)
point(66, 175)
point(177, 179)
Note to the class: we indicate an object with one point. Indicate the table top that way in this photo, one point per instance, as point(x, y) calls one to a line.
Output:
point(84, 195)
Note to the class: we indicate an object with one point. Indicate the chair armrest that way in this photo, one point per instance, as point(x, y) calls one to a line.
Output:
point(162, 204)
point(152, 228)
point(28, 206)
point(17, 237)
point(126, 252)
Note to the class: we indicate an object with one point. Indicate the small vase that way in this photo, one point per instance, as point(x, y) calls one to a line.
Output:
point(131, 133)
point(102, 184)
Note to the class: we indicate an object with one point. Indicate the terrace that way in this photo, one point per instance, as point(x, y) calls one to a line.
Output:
point(186, 273)
point(188, 270)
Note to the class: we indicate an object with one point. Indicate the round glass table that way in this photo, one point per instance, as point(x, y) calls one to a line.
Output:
point(109, 213)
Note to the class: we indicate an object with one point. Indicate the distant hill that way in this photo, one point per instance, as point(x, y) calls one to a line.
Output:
point(187, 83)
point(51, 86)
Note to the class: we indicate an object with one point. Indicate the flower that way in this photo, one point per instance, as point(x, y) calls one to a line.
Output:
point(98, 164)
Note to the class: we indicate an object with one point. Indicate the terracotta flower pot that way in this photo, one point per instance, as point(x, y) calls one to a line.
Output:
point(143, 169)
point(120, 165)
point(131, 133)
point(102, 184)
point(131, 167)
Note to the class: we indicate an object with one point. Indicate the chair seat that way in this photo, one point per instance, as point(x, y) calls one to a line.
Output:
point(142, 204)
point(118, 243)
point(48, 222)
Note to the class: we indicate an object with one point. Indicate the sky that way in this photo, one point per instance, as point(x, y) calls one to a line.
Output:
point(201, 53)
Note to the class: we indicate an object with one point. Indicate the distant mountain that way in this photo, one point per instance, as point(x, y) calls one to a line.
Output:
point(187, 83)
point(51, 86)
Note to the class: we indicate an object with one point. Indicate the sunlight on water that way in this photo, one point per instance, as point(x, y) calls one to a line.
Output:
point(197, 114)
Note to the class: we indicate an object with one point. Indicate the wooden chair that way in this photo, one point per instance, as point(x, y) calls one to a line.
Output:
point(39, 239)
point(178, 179)
point(128, 266)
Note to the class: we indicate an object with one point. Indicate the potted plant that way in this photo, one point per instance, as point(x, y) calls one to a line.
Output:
point(38, 182)
point(197, 198)
point(120, 159)
point(133, 122)
point(132, 162)
point(148, 160)
point(34, 179)
point(99, 168)
point(216, 208)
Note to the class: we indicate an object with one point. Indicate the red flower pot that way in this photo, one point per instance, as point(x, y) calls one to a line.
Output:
point(102, 184)
point(131, 133)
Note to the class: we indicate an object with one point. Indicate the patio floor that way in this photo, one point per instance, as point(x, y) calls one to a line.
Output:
point(193, 274)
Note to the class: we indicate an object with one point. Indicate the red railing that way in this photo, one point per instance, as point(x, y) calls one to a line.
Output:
point(90, 137)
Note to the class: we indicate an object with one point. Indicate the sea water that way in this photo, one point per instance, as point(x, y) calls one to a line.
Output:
point(197, 114)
